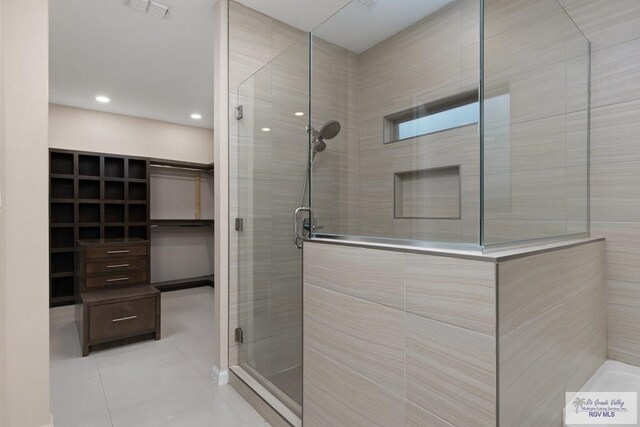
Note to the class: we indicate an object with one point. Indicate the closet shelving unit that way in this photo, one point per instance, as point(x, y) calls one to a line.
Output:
point(91, 196)
point(206, 224)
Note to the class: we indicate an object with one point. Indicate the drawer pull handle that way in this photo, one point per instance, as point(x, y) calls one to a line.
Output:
point(119, 279)
point(124, 318)
point(118, 266)
point(125, 251)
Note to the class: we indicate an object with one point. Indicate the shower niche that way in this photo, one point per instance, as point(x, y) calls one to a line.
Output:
point(428, 193)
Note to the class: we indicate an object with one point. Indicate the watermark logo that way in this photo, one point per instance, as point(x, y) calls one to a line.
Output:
point(601, 408)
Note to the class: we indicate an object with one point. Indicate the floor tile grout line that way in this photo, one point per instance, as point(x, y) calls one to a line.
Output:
point(104, 394)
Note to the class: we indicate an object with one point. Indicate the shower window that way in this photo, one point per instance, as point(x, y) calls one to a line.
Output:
point(434, 117)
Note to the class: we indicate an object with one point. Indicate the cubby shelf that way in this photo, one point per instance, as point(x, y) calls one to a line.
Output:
point(91, 197)
point(61, 250)
point(60, 301)
point(62, 274)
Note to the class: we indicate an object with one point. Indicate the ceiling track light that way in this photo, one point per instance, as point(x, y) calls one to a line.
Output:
point(148, 6)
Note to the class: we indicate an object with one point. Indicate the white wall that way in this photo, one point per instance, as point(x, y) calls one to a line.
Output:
point(24, 295)
point(3, 338)
point(221, 190)
point(87, 130)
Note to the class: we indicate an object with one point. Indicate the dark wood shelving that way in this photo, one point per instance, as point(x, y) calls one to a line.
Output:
point(61, 250)
point(158, 223)
point(62, 274)
point(192, 282)
point(60, 301)
point(61, 175)
point(90, 195)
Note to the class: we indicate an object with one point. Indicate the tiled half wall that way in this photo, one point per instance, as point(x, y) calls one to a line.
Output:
point(415, 339)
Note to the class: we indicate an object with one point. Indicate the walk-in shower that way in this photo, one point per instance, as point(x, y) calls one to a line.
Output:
point(456, 124)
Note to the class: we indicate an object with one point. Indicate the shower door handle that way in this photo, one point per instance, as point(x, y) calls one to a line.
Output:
point(297, 237)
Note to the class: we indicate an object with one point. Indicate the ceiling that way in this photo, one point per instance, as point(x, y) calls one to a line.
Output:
point(162, 68)
point(365, 23)
point(302, 14)
point(157, 68)
point(357, 26)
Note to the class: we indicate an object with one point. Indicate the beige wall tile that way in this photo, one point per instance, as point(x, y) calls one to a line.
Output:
point(532, 369)
point(415, 416)
point(616, 74)
point(552, 330)
point(451, 372)
point(365, 337)
point(614, 131)
point(527, 287)
point(535, 195)
point(623, 249)
point(585, 302)
point(615, 191)
point(503, 15)
point(539, 93)
point(605, 22)
point(539, 144)
point(366, 273)
point(455, 291)
point(624, 321)
point(337, 396)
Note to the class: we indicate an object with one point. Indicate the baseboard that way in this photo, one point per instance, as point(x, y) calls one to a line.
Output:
point(220, 377)
point(50, 421)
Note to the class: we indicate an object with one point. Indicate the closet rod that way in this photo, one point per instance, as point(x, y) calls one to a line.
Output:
point(182, 226)
point(186, 168)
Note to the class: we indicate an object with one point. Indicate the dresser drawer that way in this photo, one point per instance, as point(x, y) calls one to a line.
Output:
point(122, 319)
point(116, 251)
point(116, 265)
point(119, 279)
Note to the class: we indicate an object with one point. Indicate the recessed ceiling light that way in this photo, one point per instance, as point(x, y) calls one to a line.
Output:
point(102, 99)
point(299, 113)
point(196, 116)
point(266, 129)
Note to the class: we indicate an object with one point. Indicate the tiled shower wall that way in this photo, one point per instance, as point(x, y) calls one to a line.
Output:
point(535, 144)
point(433, 59)
point(535, 162)
point(613, 27)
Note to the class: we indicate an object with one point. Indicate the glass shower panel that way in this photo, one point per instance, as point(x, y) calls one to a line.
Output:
point(536, 122)
point(269, 157)
point(402, 78)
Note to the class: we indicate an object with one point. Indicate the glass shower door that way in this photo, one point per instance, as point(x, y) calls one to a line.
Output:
point(269, 156)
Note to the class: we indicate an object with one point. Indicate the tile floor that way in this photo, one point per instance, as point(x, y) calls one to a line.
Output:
point(153, 383)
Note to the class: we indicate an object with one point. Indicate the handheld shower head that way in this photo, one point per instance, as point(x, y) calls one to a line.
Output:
point(319, 146)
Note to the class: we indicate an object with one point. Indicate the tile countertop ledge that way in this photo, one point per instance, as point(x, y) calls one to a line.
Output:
point(498, 254)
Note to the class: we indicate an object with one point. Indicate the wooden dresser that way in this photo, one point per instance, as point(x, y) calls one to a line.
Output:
point(114, 302)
